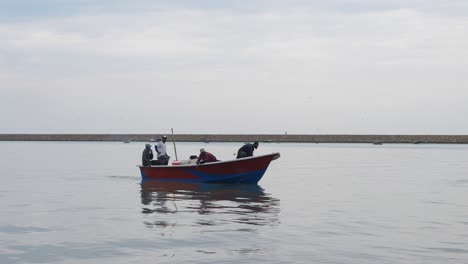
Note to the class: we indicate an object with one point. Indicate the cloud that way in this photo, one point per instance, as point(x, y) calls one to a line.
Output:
point(198, 33)
point(384, 59)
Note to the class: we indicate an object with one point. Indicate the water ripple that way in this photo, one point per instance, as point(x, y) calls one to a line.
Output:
point(247, 204)
point(22, 229)
point(451, 250)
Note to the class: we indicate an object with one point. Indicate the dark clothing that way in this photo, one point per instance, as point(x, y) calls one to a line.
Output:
point(146, 157)
point(206, 157)
point(163, 159)
point(245, 151)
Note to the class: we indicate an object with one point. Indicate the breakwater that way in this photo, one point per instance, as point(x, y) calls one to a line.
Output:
point(292, 138)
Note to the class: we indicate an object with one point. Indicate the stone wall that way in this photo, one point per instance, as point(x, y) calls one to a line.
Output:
point(376, 139)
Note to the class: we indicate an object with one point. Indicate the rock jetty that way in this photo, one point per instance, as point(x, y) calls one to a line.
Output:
point(296, 138)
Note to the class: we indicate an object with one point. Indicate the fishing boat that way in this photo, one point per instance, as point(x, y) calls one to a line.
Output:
point(247, 170)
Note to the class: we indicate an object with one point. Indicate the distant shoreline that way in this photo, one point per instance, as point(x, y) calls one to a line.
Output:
point(292, 138)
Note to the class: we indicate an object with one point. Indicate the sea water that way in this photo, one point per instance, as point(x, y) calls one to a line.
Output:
point(319, 203)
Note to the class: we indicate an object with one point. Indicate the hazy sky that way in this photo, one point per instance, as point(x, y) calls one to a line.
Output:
point(256, 66)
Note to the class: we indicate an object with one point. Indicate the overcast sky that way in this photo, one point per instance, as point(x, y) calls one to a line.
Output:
point(256, 66)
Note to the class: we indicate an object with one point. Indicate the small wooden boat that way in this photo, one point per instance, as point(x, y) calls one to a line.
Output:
point(244, 171)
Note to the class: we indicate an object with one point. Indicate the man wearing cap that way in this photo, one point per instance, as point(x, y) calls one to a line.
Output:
point(147, 155)
point(205, 157)
point(247, 150)
point(160, 148)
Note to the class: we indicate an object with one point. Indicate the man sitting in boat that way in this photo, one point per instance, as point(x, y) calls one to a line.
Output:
point(147, 155)
point(247, 150)
point(205, 157)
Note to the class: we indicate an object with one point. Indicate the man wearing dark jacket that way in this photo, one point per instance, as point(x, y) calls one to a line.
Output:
point(147, 155)
point(247, 150)
point(206, 157)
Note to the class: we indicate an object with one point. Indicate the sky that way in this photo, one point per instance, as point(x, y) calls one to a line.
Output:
point(222, 67)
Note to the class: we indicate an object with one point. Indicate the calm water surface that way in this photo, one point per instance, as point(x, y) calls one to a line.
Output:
point(319, 203)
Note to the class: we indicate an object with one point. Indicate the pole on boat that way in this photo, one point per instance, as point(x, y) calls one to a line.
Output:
point(173, 141)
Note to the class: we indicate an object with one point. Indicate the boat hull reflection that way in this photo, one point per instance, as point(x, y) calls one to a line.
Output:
point(206, 204)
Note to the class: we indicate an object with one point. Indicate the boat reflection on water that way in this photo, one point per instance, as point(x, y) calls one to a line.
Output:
point(182, 203)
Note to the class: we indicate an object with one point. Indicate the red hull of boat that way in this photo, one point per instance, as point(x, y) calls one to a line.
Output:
point(245, 170)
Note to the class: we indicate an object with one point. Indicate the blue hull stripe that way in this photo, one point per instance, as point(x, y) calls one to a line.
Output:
point(244, 177)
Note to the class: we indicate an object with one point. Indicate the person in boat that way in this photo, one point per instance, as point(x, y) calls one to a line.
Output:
point(205, 157)
point(160, 148)
point(192, 160)
point(147, 155)
point(247, 150)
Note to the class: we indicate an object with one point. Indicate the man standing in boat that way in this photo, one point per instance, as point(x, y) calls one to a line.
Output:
point(147, 156)
point(247, 150)
point(160, 148)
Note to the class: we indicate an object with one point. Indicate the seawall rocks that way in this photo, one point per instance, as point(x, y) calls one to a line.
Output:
point(375, 139)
